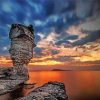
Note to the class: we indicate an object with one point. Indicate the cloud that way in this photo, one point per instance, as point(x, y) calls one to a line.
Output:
point(91, 52)
point(63, 28)
point(83, 8)
point(87, 8)
point(76, 30)
point(5, 48)
point(46, 42)
point(92, 36)
point(91, 25)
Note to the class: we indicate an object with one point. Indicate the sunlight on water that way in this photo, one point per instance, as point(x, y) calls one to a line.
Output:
point(79, 84)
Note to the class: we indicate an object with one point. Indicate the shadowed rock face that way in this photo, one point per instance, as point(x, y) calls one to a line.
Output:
point(22, 44)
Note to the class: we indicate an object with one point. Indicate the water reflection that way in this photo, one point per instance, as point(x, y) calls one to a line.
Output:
point(79, 84)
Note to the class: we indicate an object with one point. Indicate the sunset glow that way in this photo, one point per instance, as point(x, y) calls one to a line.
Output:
point(67, 32)
point(46, 63)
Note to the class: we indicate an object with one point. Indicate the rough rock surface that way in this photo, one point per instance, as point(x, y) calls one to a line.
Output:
point(21, 50)
point(9, 85)
point(49, 91)
point(5, 72)
point(22, 44)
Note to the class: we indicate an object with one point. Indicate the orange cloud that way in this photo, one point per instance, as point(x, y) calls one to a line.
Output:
point(4, 60)
point(46, 42)
point(89, 52)
point(48, 62)
point(76, 30)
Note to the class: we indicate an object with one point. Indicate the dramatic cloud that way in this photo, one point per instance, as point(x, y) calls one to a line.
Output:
point(91, 25)
point(65, 30)
point(92, 36)
point(91, 52)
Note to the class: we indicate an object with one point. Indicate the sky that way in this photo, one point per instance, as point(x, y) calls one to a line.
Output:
point(67, 32)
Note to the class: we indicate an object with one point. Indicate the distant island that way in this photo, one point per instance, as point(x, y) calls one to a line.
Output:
point(60, 70)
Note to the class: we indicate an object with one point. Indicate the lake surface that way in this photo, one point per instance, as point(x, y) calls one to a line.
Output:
point(80, 85)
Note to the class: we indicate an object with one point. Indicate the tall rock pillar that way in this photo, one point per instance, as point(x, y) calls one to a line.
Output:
point(21, 50)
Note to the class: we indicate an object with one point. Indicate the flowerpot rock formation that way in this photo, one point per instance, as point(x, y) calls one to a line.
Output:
point(21, 50)
point(12, 80)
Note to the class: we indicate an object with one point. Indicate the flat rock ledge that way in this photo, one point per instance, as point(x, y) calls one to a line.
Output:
point(49, 91)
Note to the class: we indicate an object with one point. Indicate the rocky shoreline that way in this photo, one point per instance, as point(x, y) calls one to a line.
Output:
point(12, 80)
point(49, 91)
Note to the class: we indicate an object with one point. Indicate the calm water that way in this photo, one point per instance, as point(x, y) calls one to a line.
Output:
point(80, 85)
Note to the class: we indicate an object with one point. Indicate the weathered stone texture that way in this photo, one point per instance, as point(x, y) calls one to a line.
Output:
point(9, 85)
point(49, 91)
point(22, 44)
